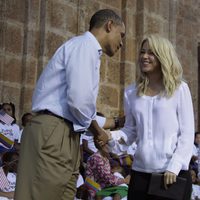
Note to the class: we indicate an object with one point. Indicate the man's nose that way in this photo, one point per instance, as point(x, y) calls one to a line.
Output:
point(121, 44)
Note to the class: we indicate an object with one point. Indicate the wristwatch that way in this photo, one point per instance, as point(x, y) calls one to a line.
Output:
point(116, 119)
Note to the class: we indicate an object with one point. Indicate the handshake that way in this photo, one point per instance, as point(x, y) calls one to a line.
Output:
point(103, 135)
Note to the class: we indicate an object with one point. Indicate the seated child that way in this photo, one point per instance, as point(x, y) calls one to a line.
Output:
point(194, 159)
point(98, 169)
point(9, 131)
point(10, 162)
point(195, 187)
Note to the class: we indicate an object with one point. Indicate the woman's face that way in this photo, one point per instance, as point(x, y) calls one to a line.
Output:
point(8, 109)
point(149, 63)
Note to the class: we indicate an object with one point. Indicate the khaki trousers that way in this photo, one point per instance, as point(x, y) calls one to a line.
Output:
point(49, 160)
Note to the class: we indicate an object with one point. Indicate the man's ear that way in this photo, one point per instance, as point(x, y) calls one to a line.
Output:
point(108, 26)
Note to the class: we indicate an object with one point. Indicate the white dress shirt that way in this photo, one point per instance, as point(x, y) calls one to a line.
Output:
point(163, 129)
point(69, 84)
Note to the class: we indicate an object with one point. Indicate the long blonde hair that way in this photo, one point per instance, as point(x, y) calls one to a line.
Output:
point(170, 65)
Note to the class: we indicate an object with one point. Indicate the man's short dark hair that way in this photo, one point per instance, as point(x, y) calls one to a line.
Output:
point(24, 118)
point(102, 16)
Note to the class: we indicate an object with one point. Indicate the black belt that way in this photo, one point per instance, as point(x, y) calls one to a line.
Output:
point(47, 112)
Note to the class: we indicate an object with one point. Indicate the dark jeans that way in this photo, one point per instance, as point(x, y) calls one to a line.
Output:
point(139, 183)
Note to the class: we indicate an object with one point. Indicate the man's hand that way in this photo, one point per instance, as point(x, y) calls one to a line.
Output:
point(9, 195)
point(102, 137)
point(169, 178)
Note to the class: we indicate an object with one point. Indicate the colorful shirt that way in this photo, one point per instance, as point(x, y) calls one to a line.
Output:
point(98, 168)
point(10, 131)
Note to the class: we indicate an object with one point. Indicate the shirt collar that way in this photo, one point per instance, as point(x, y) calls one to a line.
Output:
point(95, 41)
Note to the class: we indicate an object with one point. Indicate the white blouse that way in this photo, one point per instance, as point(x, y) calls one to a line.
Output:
point(162, 127)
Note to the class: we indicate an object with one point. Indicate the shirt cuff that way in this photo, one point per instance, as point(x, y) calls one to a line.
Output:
point(101, 121)
point(111, 143)
point(78, 128)
point(174, 167)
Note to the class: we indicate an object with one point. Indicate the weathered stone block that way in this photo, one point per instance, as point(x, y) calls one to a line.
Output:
point(12, 70)
point(13, 39)
point(53, 41)
point(109, 96)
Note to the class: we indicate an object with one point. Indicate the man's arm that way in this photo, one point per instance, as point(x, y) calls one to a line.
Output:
point(9, 195)
point(85, 147)
point(98, 133)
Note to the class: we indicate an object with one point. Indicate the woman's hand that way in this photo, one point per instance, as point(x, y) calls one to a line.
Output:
point(169, 178)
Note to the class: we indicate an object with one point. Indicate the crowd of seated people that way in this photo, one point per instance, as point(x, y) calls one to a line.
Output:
point(101, 169)
point(9, 152)
point(195, 168)
point(112, 177)
point(8, 175)
point(11, 132)
point(10, 137)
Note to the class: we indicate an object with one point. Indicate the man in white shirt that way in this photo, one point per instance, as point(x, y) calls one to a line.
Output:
point(65, 101)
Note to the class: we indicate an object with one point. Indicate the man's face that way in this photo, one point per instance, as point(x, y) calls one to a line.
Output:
point(27, 119)
point(113, 40)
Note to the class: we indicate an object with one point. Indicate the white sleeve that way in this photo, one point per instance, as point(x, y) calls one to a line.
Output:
point(101, 121)
point(183, 152)
point(81, 68)
point(129, 128)
point(16, 131)
point(128, 132)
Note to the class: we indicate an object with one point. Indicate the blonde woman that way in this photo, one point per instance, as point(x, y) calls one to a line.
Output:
point(159, 117)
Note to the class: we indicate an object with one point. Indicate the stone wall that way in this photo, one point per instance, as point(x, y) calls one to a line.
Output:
point(31, 30)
